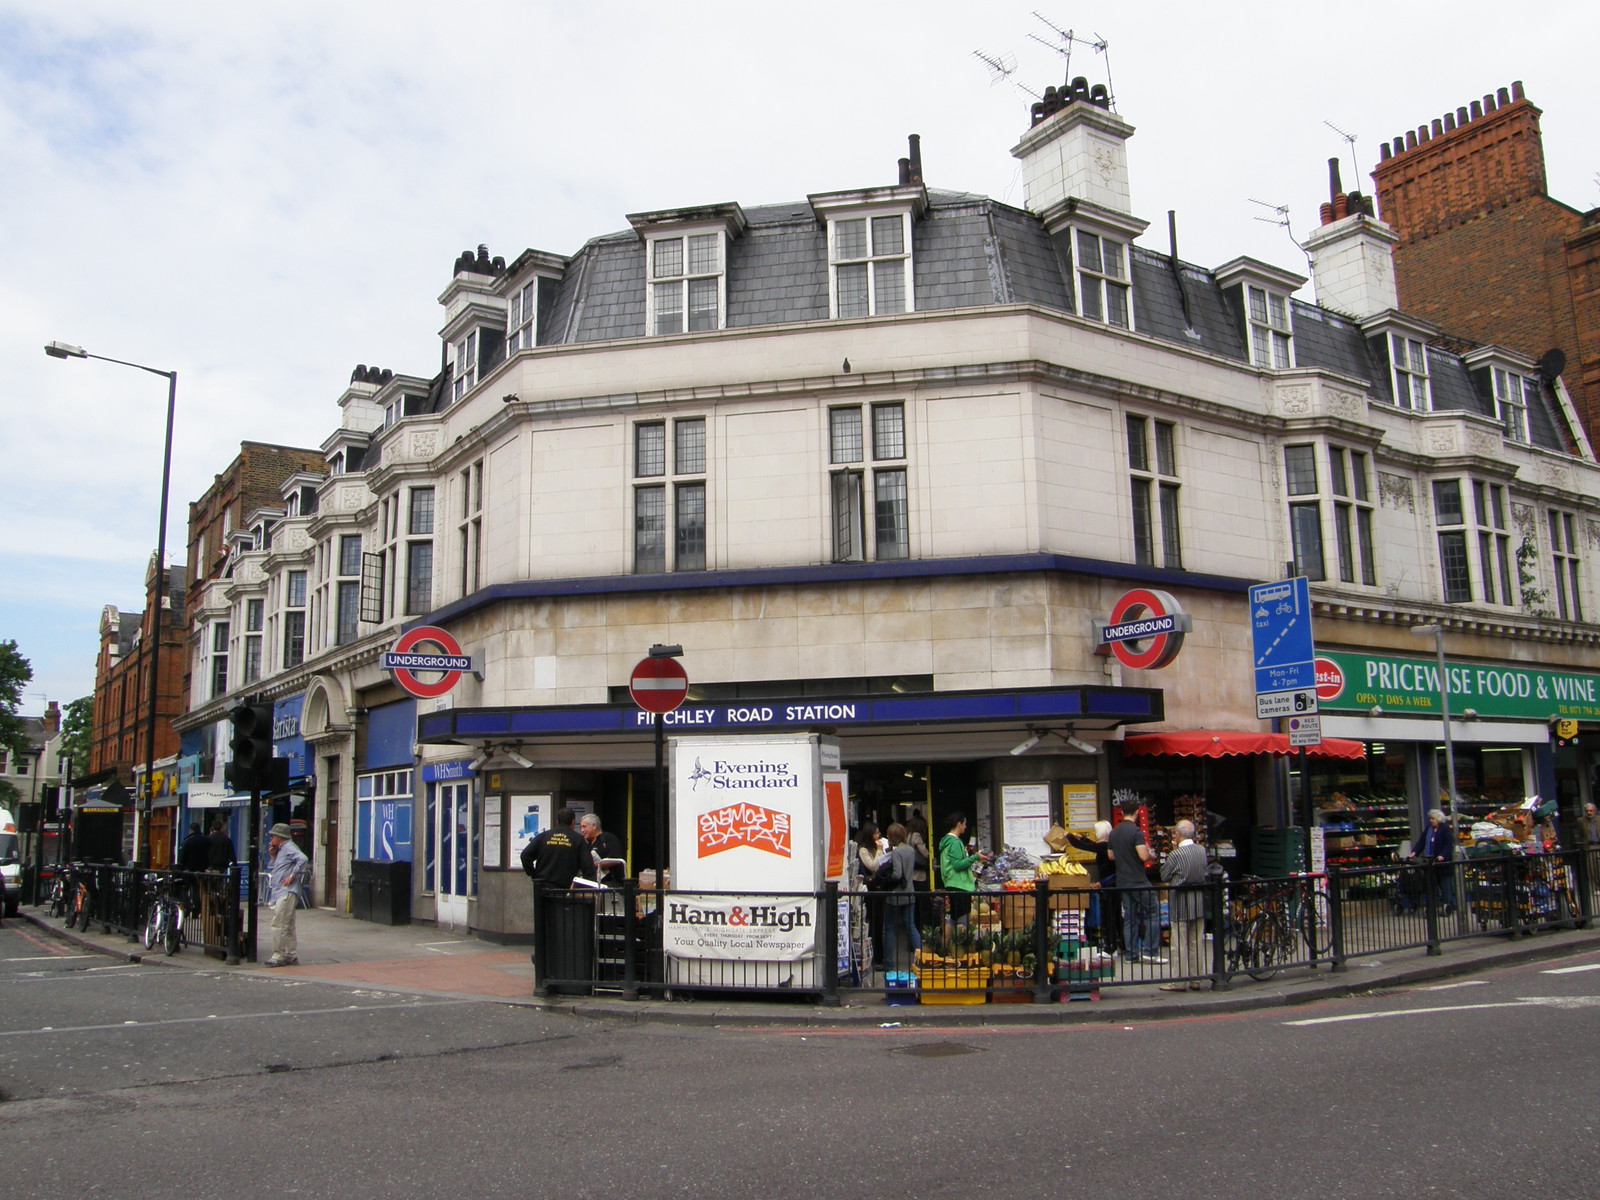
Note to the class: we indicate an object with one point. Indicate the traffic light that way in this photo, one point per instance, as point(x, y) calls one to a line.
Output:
point(50, 798)
point(251, 745)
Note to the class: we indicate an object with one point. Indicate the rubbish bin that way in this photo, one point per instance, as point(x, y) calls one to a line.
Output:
point(567, 928)
point(380, 891)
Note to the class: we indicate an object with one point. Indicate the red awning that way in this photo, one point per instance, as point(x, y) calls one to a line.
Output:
point(1219, 743)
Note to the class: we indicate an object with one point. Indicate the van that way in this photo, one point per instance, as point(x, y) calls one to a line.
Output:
point(10, 863)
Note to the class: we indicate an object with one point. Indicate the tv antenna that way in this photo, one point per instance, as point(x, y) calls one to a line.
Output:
point(1351, 139)
point(1065, 39)
point(1280, 218)
point(1001, 67)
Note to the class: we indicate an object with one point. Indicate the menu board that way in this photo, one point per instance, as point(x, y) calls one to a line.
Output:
point(1083, 806)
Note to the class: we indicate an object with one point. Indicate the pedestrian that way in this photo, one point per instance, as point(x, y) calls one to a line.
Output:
point(1184, 872)
point(1105, 905)
point(955, 871)
point(286, 870)
point(559, 855)
point(604, 847)
point(220, 854)
point(870, 849)
point(195, 851)
point(1588, 832)
point(1141, 913)
point(900, 901)
point(1438, 846)
point(917, 839)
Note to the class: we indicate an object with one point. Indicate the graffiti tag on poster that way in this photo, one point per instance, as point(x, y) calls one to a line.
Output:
point(744, 825)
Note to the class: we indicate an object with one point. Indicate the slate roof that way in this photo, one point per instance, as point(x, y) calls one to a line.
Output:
point(971, 251)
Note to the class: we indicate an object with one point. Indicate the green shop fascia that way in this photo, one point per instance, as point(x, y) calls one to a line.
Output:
point(1358, 682)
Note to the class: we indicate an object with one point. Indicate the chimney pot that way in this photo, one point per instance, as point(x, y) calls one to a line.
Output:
point(1334, 186)
point(916, 157)
point(1488, 102)
point(1503, 97)
point(1384, 152)
point(1411, 139)
point(1341, 207)
point(1438, 127)
point(1516, 90)
point(1449, 121)
point(1327, 212)
point(1477, 109)
point(1422, 134)
point(905, 171)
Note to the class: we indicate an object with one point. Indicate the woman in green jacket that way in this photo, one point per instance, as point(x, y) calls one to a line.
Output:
point(955, 869)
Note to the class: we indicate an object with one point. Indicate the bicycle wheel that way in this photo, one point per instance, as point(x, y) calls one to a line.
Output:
point(81, 910)
point(1265, 942)
point(152, 926)
point(171, 931)
point(1316, 927)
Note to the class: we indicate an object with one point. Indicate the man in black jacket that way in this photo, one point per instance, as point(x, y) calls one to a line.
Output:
point(558, 855)
point(195, 851)
point(605, 846)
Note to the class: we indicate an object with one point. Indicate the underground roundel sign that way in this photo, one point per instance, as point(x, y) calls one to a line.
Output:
point(412, 654)
point(1146, 629)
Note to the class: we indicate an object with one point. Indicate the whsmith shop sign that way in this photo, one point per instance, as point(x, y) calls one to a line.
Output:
point(1360, 682)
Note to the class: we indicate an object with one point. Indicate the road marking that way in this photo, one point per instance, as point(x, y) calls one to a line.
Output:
point(305, 1012)
point(1445, 987)
point(1571, 970)
point(1521, 1002)
point(48, 957)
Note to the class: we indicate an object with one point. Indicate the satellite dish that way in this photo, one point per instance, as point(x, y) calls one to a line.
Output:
point(1552, 364)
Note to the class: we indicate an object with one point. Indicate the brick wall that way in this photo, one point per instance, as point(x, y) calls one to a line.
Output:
point(1484, 252)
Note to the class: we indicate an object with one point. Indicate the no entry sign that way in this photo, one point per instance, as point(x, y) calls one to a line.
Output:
point(658, 685)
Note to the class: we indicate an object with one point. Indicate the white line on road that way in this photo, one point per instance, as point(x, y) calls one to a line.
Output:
point(305, 1012)
point(1445, 987)
point(49, 957)
point(1571, 970)
point(1520, 1002)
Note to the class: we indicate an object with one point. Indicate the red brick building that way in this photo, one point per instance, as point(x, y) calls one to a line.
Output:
point(1484, 250)
point(251, 483)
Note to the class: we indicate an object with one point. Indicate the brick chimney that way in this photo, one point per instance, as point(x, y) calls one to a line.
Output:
point(1485, 155)
point(51, 721)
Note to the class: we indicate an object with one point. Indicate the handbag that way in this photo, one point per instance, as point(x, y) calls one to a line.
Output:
point(885, 877)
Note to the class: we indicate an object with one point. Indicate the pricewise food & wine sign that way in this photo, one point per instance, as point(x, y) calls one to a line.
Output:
point(1399, 686)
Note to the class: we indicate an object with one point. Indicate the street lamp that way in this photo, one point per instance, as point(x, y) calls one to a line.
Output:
point(1436, 631)
point(66, 350)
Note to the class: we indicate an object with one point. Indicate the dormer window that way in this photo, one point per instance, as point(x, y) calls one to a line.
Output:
point(1270, 334)
point(1409, 359)
point(685, 283)
point(1512, 395)
point(870, 260)
point(520, 313)
point(464, 368)
point(1102, 279)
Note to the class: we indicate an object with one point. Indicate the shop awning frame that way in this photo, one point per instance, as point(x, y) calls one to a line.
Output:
point(1223, 743)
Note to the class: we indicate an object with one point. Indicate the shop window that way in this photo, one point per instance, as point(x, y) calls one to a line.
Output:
point(383, 816)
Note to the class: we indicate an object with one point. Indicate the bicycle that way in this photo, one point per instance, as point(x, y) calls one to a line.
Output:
point(1260, 937)
point(60, 892)
point(80, 899)
point(164, 923)
point(1316, 920)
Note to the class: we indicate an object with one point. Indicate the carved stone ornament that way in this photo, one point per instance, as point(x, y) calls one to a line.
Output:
point(1295, 399)
point(1483, 443)
point(1442, 439)
point(1594, 534)
point(1346, 404)
point(1395, 491)
point(424, 443)
point(298, 540)
point(350, 500)
point(1557, 475)
point(1525, 519)
point(1105, 158)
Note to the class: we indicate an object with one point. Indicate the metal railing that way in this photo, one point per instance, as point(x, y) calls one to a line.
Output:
point(1043, 944)
point(117, 899)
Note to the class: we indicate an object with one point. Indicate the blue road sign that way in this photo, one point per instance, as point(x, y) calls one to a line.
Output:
point(1280, 628)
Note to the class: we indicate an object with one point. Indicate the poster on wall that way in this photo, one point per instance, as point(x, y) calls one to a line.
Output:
point(1025, 816)
point(1083, 806)
point(492, 826)
point(525, 817)
point(747, 822)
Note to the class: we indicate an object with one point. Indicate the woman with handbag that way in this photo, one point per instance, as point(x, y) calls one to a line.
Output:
point(870, 849)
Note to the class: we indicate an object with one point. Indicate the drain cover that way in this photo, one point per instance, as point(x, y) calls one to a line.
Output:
point(937, 1049)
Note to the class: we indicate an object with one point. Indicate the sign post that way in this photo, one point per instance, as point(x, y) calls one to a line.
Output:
point(1284, 657)
point(658, 685)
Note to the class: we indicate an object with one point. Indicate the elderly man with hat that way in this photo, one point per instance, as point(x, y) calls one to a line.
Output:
point(287, 866)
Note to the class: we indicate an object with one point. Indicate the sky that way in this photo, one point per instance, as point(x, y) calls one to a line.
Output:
point(259, 196)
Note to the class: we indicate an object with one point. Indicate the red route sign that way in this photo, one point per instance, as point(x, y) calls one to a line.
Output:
point(658, 685)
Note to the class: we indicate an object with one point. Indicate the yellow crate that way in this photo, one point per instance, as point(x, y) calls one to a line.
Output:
point(939, 985)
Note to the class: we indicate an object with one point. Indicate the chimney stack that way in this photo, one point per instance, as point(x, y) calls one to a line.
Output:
point(52, 719)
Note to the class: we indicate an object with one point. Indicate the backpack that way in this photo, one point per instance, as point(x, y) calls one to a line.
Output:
point(885, 877)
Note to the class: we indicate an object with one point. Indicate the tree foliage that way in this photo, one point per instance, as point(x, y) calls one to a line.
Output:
point(15, 674)
point(75, 727)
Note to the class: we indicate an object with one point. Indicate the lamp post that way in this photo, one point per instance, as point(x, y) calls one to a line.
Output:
point(64, 350)
point(1436, 631)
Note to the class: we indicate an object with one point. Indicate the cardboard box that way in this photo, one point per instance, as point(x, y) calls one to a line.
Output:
point(1016, 910)
point(1062, 883)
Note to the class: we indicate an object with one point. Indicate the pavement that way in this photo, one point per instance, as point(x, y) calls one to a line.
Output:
point(428, 960)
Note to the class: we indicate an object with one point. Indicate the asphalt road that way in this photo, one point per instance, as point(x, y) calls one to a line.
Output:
point(135, 1080)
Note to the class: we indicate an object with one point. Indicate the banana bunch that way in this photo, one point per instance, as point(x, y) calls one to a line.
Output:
point(1060, 866)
